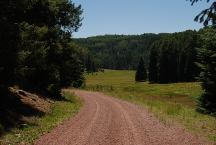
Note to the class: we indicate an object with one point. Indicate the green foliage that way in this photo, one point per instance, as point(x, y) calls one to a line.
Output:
point(119, 52)
point(141, 74)
point(9, 39)
point(163, 76)
point(54, 90)
point(172, 58)
point(207, 15)
point(90, 65)
point(207, 56)
point(153, 64)
point(36, 47)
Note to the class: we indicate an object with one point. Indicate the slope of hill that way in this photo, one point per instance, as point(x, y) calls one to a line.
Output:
point(119, 51)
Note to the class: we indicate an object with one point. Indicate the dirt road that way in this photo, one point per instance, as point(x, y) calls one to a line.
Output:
point(108, 121)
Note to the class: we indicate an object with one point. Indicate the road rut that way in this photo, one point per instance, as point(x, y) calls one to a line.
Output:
point(108, 121)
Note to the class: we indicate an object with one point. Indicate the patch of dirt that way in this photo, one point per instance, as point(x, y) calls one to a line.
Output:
point(19, 108)
point(39, 103)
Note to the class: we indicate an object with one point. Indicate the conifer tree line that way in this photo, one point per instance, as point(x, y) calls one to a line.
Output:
point(36, 49)
point(120, 52)
point(173, 58)
point(167, 57)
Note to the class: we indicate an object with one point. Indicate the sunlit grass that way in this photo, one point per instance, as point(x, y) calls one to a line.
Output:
point(169, 102)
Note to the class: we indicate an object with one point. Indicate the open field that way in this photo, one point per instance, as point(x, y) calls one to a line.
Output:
point(37, 126)
point(171, 103)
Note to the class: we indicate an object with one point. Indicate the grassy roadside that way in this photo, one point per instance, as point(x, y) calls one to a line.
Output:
point(61, 110)
point(171, 103)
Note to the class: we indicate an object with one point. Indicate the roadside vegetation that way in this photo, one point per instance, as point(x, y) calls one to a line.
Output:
point(37, 55)
point(37, 126)
point(171, 103)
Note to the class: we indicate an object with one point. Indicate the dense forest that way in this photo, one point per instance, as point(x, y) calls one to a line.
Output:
point(173, 58)
point(159, 51)
point(119, 51)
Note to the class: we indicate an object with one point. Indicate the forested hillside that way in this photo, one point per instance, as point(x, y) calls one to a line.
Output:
point(168, 57)
point(119, 51)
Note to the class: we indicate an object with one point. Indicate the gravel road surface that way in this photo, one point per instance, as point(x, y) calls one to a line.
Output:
point(104, 120)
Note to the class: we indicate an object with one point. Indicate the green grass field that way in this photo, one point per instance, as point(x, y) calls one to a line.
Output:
point(61, 111)
point(171, 103)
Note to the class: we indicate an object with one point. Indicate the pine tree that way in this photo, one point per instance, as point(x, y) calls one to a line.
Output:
point(10, 16)
point(172, 60)
point(33, 35)
point(153, 64)
point(93, 67)
point(88, 64)
point(163, 76)
point(141, 73)
point(207, 56)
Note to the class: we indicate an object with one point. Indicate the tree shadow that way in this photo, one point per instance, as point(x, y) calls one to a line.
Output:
point(12, 111)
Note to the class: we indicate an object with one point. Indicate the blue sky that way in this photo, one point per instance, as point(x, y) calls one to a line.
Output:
point(137, 16)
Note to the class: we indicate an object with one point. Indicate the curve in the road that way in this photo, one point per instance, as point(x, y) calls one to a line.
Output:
point(108, 121)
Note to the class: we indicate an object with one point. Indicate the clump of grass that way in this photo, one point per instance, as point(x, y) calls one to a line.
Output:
point(61, 111)
point(170, 103)
point(101, 88)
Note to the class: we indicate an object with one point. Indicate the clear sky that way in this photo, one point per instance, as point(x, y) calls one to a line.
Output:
point(137, 16)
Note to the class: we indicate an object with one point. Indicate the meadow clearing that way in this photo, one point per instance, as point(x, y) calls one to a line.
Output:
point(170, 103)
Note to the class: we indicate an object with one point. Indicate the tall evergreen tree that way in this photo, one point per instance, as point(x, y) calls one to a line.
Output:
point(11, 14)
point(153, 63)
point(141, 73)
point(163, 76)
point(90, 64)
point(93, 67)
point(181, 66)
point(33, 36)
point(207, 56)
point(172, 54)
